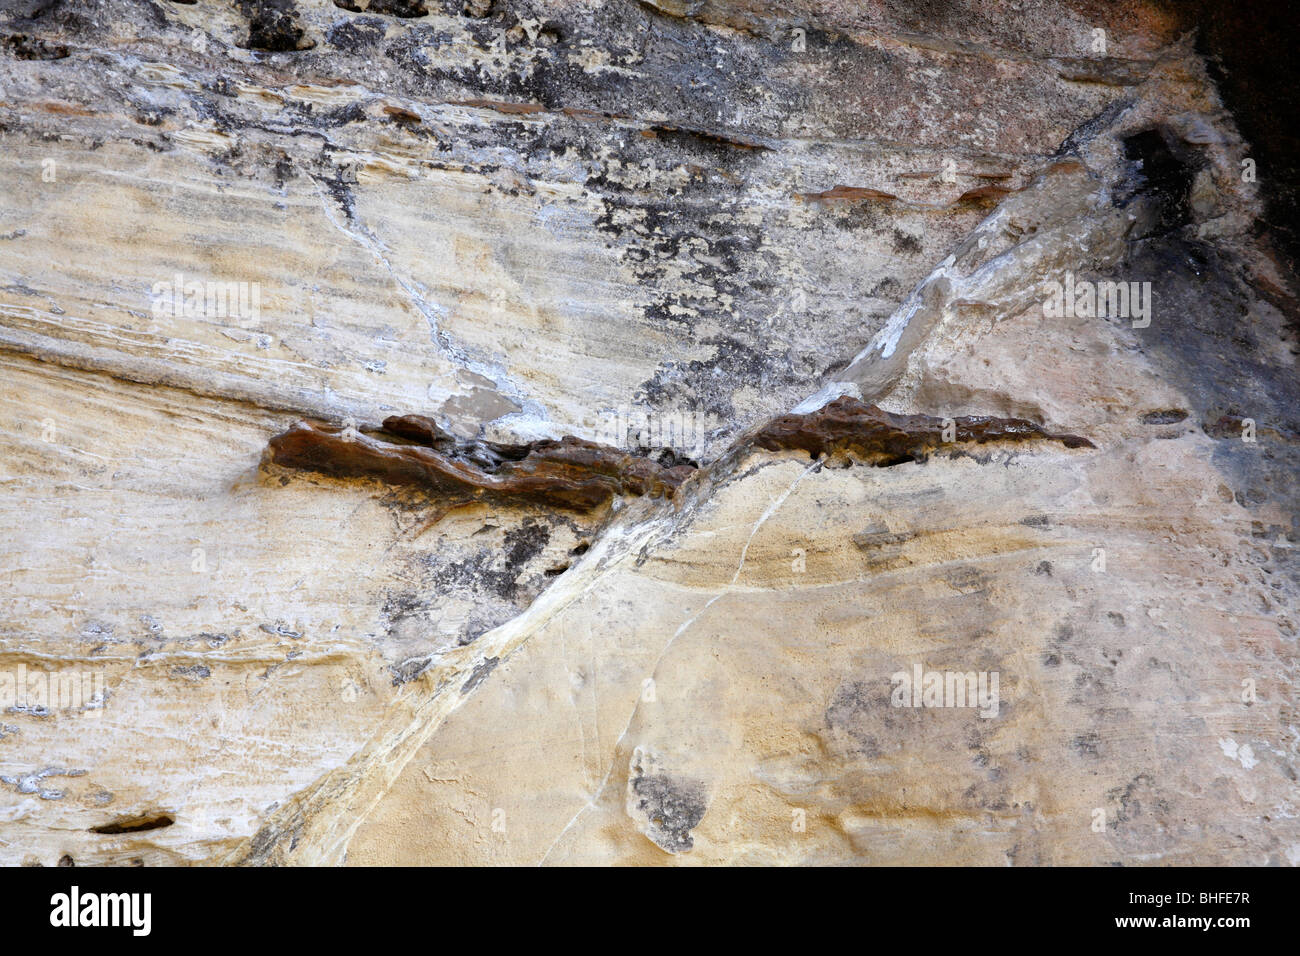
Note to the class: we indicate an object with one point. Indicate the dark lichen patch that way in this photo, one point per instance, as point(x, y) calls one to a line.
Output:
point(484, 620)
point(879, 536)
point(480, 580)
point(480, 672)
point(967, 580)
point(903, 244)
point(407, 671)
point(672, 808)
point(1087, 745)
point(704, 266)
point(31, 9)
point(135, 824)
point(24, 47)
point(400, 606)
point(406, 9)
point(526, 542)
point(273, 26)
point(1164, 416)
point(1131, 799)
point(272, 844)
point(1062, 634)
point(193, 672)
point(500, 571)
point(357, 35)
point(848, 717)
point(869, 434)
point(700, 138)
point(481, 572)
point(414, 450)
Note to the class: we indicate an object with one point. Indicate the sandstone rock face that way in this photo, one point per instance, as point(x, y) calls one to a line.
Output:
point(710, 433)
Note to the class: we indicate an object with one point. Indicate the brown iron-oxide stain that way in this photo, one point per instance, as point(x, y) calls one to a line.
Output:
point(878, 437)
point(582, 475)
point(415, 450)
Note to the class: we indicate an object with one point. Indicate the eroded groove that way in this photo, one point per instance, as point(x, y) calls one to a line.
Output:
point(414, 450)
point(878, 437)
point(137, 824)
point(582, 475)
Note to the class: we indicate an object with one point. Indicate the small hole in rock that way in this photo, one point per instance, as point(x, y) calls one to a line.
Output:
point(134, 824)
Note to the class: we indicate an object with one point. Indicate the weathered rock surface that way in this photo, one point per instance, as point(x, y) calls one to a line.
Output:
point(570, 473)
point(718, 389)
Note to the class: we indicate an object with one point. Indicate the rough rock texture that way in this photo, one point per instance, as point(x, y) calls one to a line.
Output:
point(569, 473)
point(718, 388)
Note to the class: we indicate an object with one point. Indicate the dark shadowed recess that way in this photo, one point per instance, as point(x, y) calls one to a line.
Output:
point(1210, 333)
point(1250, 46)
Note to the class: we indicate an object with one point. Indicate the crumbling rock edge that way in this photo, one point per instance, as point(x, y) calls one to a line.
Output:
point(583, 475)
point(414, 450)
